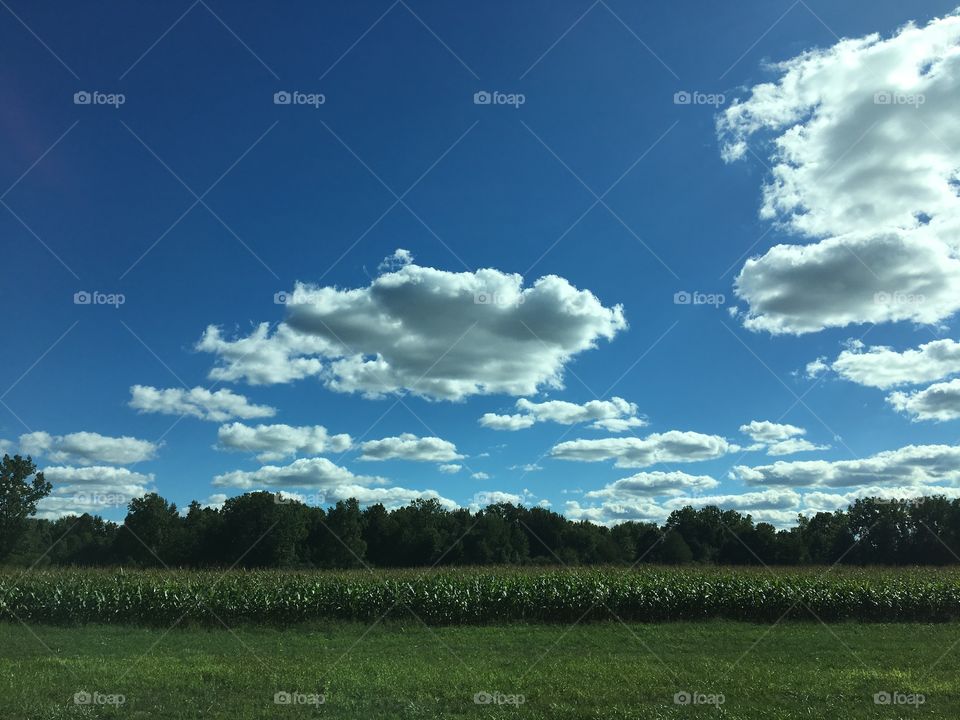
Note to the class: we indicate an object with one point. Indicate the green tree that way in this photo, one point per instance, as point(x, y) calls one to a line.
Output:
point(674, 550)
point(827, 537)
point(204, 543)
point(152, 532)
point(343, 543)
point(19, 496)
point(380, 533)
point(264, 529)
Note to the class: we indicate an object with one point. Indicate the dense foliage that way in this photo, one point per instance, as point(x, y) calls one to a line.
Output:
point(262, 530)
point(21, 487)
point(469, 596)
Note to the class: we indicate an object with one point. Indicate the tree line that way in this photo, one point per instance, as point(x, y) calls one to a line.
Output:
point(263, 529)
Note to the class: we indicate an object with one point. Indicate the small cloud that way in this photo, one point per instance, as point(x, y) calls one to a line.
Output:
point(410, 447)
point(198, 402)
point(392, 263)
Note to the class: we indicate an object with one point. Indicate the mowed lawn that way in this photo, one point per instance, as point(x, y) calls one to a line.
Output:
point(406, 670)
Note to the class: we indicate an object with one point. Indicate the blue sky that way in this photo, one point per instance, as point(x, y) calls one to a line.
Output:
point(602, 178)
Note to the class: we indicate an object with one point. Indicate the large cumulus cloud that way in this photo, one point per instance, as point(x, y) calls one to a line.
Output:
point(438, 334)
point(865, 156)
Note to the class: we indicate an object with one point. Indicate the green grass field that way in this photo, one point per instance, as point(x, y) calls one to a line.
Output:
point(406, 670)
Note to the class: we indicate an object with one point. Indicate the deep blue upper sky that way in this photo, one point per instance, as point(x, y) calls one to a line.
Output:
point(496, 187)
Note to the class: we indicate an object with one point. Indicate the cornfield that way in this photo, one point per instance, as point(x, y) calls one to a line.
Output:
point(478, 596)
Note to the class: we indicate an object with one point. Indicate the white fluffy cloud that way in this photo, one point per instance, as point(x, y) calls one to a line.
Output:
point(410, 447)
point(99, 476)
point(764, 431)
point(778, 506)
point(883, 367)
point(613, 512)
point(865, 159)
point(792, 446)
point(263, 358)
point(87, 448)
point(858, 279)
point(818, 501)
point(910, 465)
point(91, 489)
point(389, 497)
point(480, 476)
point(330, 482)
point(937, 402)
point(434, 333)
point(216, 501)
point(305, 472)
point(632, 452)
point(742, 502)
point(507, 422)
point(199, 402)
point(450, 469)
point(652, 484)
point(778, 438)
point(613, 415)
point(484, 498)
point(275, 442)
